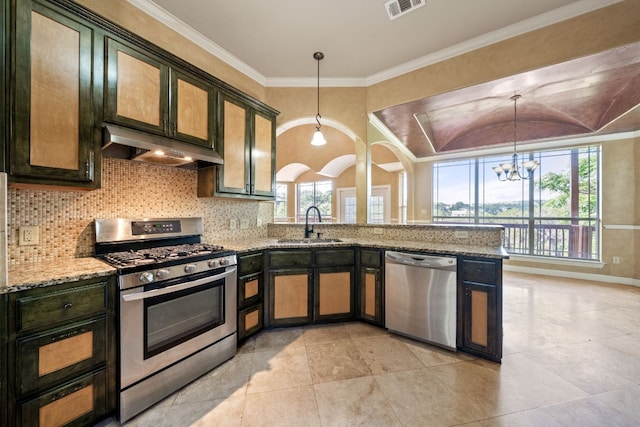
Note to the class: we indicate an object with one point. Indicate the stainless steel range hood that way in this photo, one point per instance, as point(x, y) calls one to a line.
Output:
point(124, 143)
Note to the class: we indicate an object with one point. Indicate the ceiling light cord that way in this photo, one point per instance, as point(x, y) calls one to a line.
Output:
point(318, 138)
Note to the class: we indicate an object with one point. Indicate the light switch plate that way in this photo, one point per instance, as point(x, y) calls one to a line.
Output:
point(233, 224)
point(461, 234)
point(28, 235)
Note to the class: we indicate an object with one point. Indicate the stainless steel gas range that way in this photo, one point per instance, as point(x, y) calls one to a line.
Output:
point(177, 301)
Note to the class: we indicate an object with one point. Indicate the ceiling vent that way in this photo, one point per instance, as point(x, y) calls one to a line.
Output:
point(397, 8)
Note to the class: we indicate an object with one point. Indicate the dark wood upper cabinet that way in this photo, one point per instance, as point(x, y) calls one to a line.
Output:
point(55, 133)
point(148, 94)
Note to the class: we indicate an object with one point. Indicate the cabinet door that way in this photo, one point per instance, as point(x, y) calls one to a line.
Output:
point(53, 134)
point(263, 156)
point(233, 175)
point(137, 93)
point(250, 289)
point(290, 297)
point(80, 402)
point(45, 359)
point(333, 293)
point(192, 106)
point(371, 295)
point(250, 321)
point(480, 328)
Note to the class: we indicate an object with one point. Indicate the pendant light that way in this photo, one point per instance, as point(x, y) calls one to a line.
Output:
point(511, 170)
point(318, 138)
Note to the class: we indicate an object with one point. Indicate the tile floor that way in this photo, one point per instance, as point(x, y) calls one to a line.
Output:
point(571, 358)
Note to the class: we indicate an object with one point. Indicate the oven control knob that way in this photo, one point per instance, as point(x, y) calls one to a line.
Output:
point(162, 274)
point(190, 268)
point(214, 263)
point(224, 261)
point(146, 277)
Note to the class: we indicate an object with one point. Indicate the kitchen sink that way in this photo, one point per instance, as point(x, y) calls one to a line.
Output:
point(309, 241)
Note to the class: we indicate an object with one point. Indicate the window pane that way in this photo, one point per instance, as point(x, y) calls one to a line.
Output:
point(376, 205)
point(453, 190)
point(349, 210)
point(280, 205)
point(553, 214)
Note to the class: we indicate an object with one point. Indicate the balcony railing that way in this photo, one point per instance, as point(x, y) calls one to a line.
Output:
point(552, 237)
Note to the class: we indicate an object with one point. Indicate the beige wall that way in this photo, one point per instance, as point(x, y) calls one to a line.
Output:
point(586, 34)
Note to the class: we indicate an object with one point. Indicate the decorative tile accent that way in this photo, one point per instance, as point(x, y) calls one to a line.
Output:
point(129, 189)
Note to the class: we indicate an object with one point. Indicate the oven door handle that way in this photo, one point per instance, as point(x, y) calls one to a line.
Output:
point(179, 287)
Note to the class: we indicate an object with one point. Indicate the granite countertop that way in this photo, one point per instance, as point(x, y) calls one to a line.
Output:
point(29, 276)
point(396, 245)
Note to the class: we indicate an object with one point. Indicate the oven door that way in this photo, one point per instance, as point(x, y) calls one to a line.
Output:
point(161, 326)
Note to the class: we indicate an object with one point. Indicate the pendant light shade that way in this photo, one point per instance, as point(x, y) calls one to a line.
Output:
point(318, 138)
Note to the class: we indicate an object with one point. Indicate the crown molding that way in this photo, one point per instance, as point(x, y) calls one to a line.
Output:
point(561, 14)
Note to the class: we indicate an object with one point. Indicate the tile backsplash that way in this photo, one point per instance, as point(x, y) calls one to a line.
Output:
point(129, 189)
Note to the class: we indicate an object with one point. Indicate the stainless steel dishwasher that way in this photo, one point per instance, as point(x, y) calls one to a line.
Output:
point(420, 297)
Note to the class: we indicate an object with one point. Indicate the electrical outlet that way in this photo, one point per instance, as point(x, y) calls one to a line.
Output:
point(259, 222)
point(461, 234)
point(28, 235)
point(378, 230)
point(233, 224)
point(244, 223)
point(616, 260)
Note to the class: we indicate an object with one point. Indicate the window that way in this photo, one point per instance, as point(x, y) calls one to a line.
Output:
point(402, 198)
point(314, 194)
point(280, 206)
point(556, 214)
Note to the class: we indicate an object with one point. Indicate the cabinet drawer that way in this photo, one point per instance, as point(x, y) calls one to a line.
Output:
point(279, 259)
point(45, 359)
point(335, 257)
point(75, 403)
point(250, 289)
point(370, 258)
point(250, 320)
point(249, 264)
point(479, 271)
point(55, 307)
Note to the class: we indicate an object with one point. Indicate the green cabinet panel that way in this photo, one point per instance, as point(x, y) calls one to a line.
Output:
point(32, 355)
point(370, 286)
point(77, 403)
point(247, 142)
point(70, 304)
point(250, 294)
point(61, 353)
point(56, 92)
point(310, 285)
point(480, 307)
point(149, 94)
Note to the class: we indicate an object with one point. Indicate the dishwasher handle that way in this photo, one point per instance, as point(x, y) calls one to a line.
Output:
point(419, 260)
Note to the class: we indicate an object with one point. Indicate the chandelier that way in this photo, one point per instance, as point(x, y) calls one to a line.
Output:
point(511, 170)
point(318, 138)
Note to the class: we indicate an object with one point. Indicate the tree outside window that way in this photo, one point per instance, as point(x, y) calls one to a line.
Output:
point(317, 194)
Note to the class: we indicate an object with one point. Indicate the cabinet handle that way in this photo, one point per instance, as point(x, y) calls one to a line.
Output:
point(164, 126)
point(88, 167)
point(175, 129)
point(67, 306)
point(68, 335)
point(64, 393)
point(247, 188)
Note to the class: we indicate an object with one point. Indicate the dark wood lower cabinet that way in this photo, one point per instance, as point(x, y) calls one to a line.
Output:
point(61, 354)
point(370, 288)
point(250, 294)
point(480, 307)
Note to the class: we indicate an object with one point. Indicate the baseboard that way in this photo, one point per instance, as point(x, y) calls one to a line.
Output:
point(573, 275)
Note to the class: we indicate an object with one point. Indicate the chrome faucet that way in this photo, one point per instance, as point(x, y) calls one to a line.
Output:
point(309, 230)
